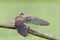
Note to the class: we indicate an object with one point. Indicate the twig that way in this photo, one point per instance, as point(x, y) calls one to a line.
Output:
point(11, 26)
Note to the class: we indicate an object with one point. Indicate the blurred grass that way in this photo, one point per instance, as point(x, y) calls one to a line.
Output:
point(47, 10)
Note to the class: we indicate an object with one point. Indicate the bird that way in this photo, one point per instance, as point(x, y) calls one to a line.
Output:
point(21, 19)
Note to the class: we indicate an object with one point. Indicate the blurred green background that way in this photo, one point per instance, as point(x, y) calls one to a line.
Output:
point(48, 10)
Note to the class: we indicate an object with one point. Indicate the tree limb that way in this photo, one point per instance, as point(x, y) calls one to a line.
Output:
point(11, 26)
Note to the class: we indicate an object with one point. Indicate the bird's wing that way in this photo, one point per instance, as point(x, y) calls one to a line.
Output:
point(36, 21)
point(21, 29)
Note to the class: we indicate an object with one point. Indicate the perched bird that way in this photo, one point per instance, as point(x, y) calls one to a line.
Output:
point(22, 19)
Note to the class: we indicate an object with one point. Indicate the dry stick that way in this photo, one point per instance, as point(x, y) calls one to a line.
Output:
point(11, 26)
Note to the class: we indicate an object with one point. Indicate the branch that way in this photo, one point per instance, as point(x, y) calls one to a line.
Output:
point(11, 26)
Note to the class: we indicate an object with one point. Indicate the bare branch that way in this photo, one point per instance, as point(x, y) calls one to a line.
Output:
point(11, 26)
